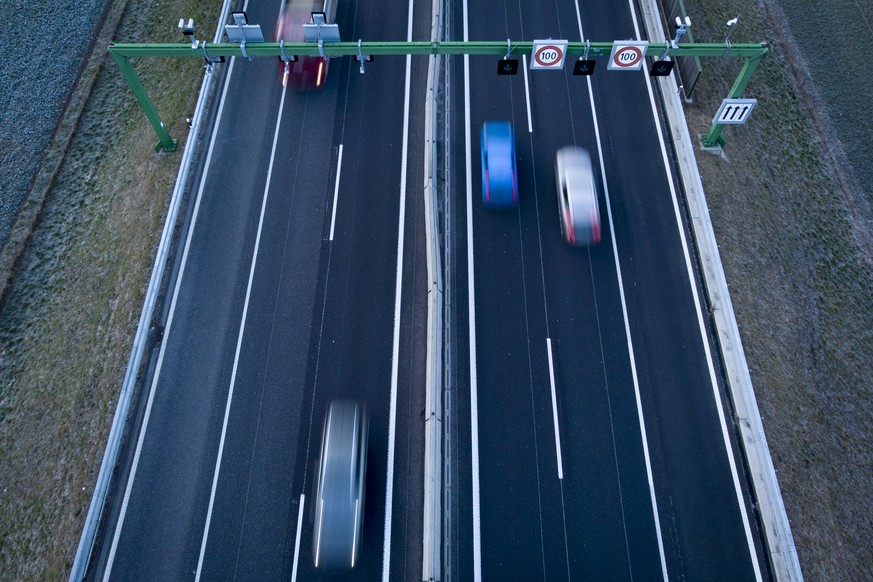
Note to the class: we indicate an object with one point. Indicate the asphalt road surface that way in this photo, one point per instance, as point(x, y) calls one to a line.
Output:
point(595, 443)
point(300, 278)
point(590, 434)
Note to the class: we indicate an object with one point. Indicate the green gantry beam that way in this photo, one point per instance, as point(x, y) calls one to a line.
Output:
point(339, 49)
point(753, 53)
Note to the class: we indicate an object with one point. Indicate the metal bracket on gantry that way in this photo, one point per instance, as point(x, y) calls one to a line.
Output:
point(210, 61)
point(362, 58)
point(507, 66)
point(681, 30)
point(242, 32)
point(319, 31)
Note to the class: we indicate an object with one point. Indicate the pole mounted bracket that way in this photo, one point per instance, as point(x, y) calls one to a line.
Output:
point(681, 30)
point(283, 57)
point(362, 58)
point(210, 61)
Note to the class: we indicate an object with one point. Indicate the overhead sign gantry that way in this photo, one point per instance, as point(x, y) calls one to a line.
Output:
point(551, 54)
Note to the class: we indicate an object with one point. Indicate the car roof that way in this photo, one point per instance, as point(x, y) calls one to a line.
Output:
point(498, 141)
point(578, 171)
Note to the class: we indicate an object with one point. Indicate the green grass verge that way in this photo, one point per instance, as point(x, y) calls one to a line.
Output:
point(68, 323)
point(801, 286)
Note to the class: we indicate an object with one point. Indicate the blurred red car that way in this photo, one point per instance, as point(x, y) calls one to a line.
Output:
point(306, 72)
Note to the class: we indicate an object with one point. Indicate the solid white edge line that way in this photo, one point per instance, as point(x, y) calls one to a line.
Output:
point(297, 539)
point(643, 433)
point(527, 95)
point(471, 301)
point(239, 339)
point(703, 335)
point(555, 410)
point(398, 289)
point(339, 167)
point(145, 422)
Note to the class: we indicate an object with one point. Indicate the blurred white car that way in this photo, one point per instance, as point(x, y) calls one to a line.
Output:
point(577, 196)
point(340, 487)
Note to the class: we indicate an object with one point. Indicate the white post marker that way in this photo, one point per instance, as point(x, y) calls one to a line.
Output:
point(627, 55)
point(548, 54)
point(734, 111)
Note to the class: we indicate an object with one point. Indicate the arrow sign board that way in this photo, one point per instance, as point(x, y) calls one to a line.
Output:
point(548, 54)
point(627, 55)
point(734, 111)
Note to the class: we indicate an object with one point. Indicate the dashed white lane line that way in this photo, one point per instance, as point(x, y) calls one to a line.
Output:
point(527, 94)
point(339, 167)
point(555, 410)
point(297, 539)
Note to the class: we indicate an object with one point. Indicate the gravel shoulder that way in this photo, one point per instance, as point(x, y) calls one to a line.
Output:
point(793, 223)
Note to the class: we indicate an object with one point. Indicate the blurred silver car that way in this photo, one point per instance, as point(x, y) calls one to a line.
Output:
point(340, 487)
point(577, 196)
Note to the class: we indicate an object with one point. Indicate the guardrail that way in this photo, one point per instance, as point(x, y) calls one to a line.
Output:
point(783, 554)
point(431, 524)
point(122, 411)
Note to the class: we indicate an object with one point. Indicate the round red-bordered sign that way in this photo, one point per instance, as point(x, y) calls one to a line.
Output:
point(549, 55)
point(627, 57)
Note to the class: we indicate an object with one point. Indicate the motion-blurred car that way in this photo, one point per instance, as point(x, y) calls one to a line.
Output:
point(499, 173)
point(340, 487)
point(305, 72)
point(577, 196)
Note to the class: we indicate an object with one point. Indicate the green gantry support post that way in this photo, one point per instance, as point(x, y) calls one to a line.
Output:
point(166, 143)
point(713, 138)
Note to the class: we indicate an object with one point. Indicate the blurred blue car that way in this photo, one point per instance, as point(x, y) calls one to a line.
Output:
point(499, 173)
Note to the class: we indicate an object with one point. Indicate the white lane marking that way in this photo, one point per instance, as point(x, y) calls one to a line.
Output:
point(170, 317)
point(471, 303)
point(339, 167)
point(297, 539)
point(398, 288)
point(703, 335)
point(555, 410)
point(239, 339)
point(630, 345)
point(527, 95)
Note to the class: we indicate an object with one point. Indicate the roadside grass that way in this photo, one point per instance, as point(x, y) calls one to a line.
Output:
point(67, 327)
point(792, 243)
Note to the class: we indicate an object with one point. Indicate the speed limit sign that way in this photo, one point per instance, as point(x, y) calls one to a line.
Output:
point(548, 54)
point(627, 55)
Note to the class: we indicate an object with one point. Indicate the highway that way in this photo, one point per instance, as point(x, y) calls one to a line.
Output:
point(300, 279)
point(589, 431)
point(594, 443)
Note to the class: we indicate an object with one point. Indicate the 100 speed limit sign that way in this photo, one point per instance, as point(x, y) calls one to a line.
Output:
point(548, 54)
point(627, 55)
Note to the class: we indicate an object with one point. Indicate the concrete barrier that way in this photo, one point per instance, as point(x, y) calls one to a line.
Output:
point(431, 524)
